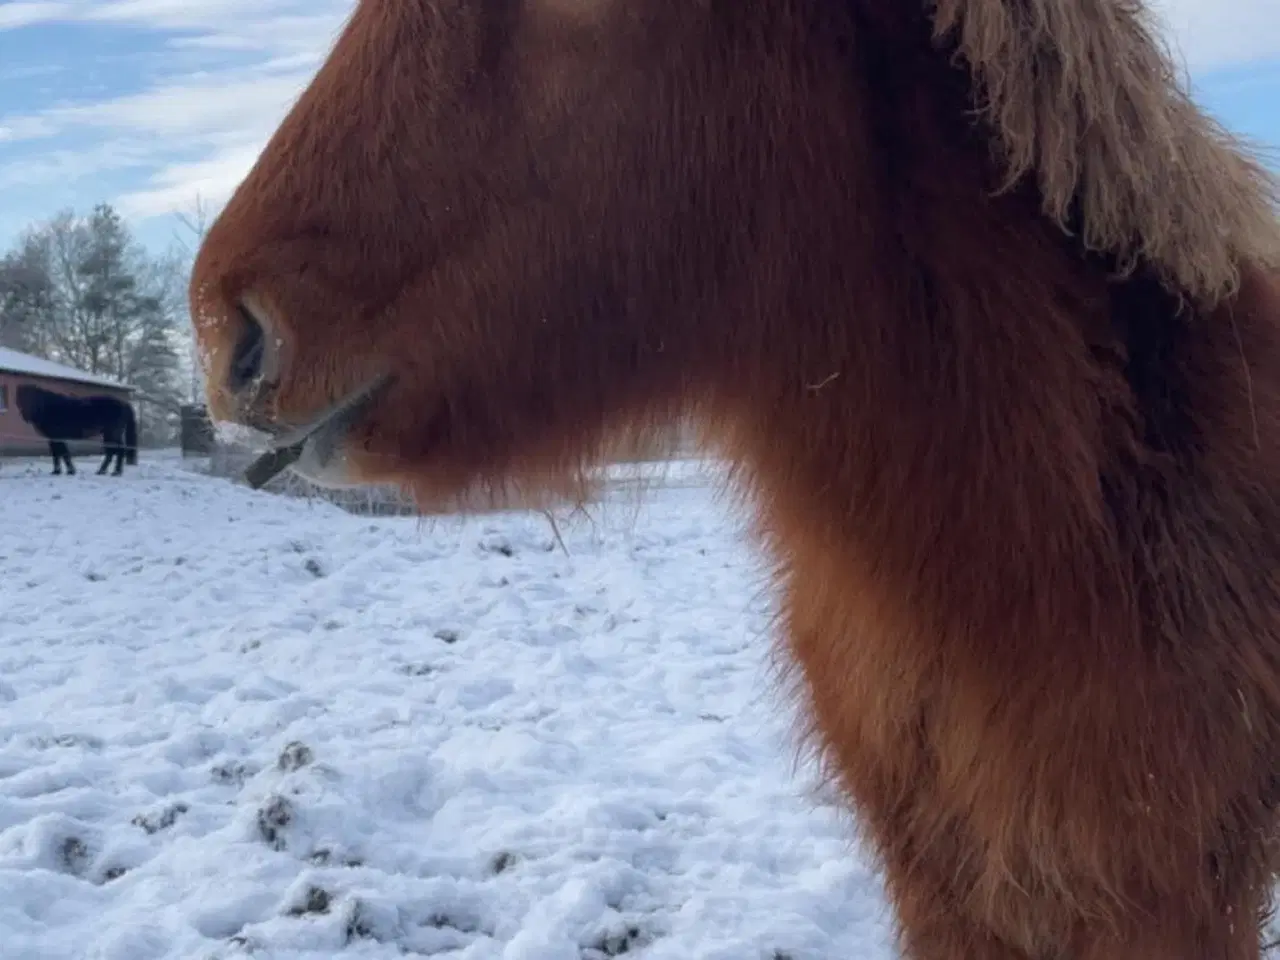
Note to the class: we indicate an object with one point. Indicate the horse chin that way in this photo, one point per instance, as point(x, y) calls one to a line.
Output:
point(323, 449)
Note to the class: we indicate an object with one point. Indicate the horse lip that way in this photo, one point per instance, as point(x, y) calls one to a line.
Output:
point(344, 409)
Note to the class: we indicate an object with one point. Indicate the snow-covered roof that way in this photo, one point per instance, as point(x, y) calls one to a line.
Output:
point(11, 361)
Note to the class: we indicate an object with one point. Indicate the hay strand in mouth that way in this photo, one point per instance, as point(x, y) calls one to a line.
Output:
point(271, 464)
point(286, 449)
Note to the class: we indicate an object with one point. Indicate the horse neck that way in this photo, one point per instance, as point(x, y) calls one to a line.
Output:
point(949, 396)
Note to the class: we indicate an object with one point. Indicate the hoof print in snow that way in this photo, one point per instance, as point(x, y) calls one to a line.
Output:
point(94, 577)
point(67, 740)
point(294, 756)
point(163, 821)
point(442, 921)
point(497, 545)
point(273, 817)
point(74, 856)
point(249, 645)
point(113, 873)
point(417, 669)
point(231, 774)
point(447, 636)
point(313, 567)
point(503, 862)
point(617, 944)
point(242, 944)
point(359, 923)
point(315, 901)
point(324, 858)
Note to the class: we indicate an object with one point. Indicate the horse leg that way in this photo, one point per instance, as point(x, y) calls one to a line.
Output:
point(933, 864)
point(61, 453)
point(1236, 937)
point(931, 931)
point(108, 448)
point(889, 770)
point(986, 860)
point(113, 446)
point(952, 904)
point(932, 876)
point(954, 901)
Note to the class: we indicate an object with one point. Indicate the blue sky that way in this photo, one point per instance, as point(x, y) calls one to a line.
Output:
point(152, 104)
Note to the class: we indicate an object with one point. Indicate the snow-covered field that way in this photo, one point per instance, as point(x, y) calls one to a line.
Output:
point(236, 724)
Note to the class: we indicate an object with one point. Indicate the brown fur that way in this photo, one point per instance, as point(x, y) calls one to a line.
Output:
point(1019, 481)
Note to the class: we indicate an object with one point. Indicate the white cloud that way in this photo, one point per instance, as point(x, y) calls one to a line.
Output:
point(231, 69)
point(264, 25)
point(13, 129)
point(229, 72)
point(222, 119)
point(207, 107)
point(61, 165)
point(171, 12)
point(29, 72)
point(1218, 33)
point(175, 187)
point(20, 14)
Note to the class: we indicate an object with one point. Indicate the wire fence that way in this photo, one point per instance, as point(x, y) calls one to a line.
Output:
point(226, 454)
point(229, 460)
point(35, 444)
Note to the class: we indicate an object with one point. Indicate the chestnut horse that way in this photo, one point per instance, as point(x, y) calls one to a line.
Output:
point(982, 309)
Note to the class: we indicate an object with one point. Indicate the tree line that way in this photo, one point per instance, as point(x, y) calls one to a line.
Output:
point(80, 290)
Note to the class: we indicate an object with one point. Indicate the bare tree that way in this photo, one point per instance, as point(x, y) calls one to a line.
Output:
point(28, 297)
point(188, 238)
point(80, 290)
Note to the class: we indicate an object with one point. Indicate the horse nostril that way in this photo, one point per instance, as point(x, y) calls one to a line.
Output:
point(246, 361)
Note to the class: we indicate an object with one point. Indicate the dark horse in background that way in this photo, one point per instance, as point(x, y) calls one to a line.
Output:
point(59, 418)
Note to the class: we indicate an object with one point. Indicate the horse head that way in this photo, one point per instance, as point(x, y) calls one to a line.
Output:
point(551, 221)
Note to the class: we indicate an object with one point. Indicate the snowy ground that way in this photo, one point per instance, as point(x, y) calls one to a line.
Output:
point(235, 724)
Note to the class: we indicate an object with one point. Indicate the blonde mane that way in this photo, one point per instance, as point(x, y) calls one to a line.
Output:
point(1084, 96)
